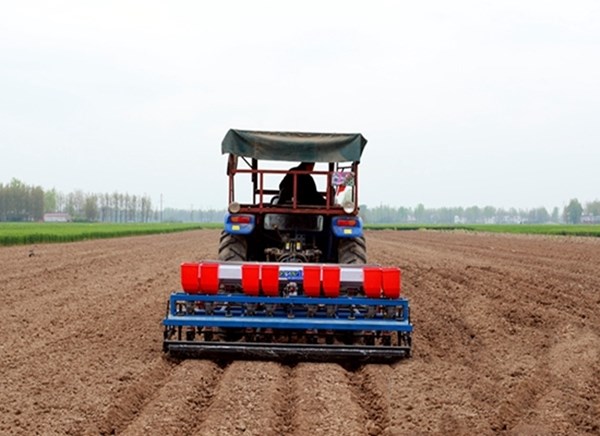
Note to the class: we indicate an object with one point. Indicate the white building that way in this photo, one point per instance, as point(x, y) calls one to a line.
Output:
point(57, 217)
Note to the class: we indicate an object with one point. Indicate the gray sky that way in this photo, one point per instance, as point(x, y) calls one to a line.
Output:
point(463, 103)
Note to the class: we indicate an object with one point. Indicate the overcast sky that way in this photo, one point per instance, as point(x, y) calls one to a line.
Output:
point(463, 103)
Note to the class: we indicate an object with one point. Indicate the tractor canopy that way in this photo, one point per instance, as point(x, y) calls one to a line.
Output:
point(294, 146)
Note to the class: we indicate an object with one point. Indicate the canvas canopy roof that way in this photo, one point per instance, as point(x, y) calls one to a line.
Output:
point(294, 146)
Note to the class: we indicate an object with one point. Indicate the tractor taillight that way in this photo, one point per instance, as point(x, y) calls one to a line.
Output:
point(346, 227)
point(240, 219)
point(239, 224)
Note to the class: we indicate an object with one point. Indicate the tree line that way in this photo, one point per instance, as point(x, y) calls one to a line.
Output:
point(573, 213)
point(21, 202)
point(193, 215)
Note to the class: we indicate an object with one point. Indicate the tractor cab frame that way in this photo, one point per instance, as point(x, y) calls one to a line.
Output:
point(262, 228)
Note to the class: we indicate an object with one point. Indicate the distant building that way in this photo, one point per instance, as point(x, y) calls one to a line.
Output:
point(459, 220)
point(57, 217)
point(590, 219)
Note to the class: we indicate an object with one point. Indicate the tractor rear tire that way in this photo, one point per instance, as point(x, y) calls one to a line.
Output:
point(233, 247)
point(352, 251)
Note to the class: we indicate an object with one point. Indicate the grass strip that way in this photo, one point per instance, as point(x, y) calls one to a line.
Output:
point(591, 230)
point(36, 233)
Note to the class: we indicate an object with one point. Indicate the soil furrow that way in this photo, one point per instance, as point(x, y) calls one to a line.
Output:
point(288, 403)
point(180, 404)
point(326, 401)
point(566, 374)
point(131, 400)
point(248, 401)
point(370, 385)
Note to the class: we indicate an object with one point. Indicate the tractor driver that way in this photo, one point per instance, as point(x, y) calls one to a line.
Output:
point(306, 188)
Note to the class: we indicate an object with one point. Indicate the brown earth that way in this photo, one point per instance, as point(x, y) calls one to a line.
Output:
point(507, 340)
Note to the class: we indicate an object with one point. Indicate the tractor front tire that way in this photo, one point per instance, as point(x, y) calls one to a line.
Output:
point(352, 251)
point(232, 247)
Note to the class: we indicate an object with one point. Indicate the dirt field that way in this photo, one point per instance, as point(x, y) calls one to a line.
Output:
point(507, 340)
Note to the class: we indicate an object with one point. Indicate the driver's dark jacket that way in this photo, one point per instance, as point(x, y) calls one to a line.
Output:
point(306, 189)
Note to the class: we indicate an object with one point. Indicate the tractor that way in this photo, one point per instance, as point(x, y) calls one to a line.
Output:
point(291, 280)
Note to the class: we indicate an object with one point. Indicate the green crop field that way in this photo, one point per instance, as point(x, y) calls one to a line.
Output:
point(537, 229)
point(31, 233)
point(542, 229)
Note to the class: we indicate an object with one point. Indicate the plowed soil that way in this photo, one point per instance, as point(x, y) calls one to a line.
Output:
point(507, 340)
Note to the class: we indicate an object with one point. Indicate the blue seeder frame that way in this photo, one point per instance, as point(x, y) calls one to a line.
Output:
point(289, 313)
